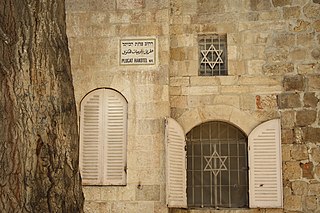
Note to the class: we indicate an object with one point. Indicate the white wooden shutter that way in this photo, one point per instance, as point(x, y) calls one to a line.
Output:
point(115, 143)
point(265, 175)
point(90, 139)
point(103, 138)
point(176, 165)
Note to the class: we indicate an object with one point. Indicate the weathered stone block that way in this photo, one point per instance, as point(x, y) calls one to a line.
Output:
point(299, 187)
point(291, 170)
point(312, 11)
point(266, 102)
point(315, 154)
point(291, 12)
point(91, 206)
point(148, 126)
point(299, 152)
point(247, 102)
point(306, 68)
point(255, 66)
point(278, 69)
point(314, 82)
point(132, 207)
point(207, 6)
point(281, 3)
point(287, 119)
point(299, 54)
point(269, 15)
point(316, 25)
point(287, 136)
point(178, 101)
point(276, 55)
point(299, 135)
point(130, 4)
point(293, 203)
point(315, 53)
point(229, 80)
point(306, 117)
point(310, 99)
point(118, 193)
point(300, 26)
point(235, 89)
point(294, 83)
point(178, 54)
point(286, 152)
point(179, 81)
point(148, 193)
point(314, 189)
point(317, 171)
point(312, 134)
point(284, 40)
point(236, 67)
point(204, 81)
point(311, 202)
point(307, 170)
point(260, 5)
point(200, 100)
point(289, 100)
point(305, 39)
point(92, 193)
point(175, 90)
point(200, 90)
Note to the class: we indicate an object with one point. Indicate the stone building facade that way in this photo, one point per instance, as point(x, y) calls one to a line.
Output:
point(273, 56)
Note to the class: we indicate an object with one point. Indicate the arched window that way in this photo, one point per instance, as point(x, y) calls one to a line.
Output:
point(103, 138)
point(218, 159)
point(217, 171)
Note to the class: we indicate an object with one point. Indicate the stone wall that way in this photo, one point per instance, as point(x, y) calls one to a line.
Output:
point(94, 30)
point(274, 72)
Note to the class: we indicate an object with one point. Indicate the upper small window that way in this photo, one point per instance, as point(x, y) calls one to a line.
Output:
point(213, 55)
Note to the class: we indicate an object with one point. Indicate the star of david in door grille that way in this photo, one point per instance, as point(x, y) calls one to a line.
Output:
point(215, 163)
point(212, 55)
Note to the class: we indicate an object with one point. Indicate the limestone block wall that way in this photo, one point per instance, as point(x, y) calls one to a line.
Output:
point(274, 72)
point(94, 29)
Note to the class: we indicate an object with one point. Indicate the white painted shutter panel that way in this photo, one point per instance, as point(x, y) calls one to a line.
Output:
point(90, 139)
point(265, 173)
point(115, 107)
point(176, 165)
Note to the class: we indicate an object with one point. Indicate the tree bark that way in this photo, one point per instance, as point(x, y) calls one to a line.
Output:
point(38, 123)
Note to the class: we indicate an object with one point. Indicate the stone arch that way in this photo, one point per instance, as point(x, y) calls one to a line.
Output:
point(243, 120)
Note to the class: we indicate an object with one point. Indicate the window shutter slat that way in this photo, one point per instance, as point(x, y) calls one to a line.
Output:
point(115, 149)
point(265, 177)
point(176, 165)
point(90, 149)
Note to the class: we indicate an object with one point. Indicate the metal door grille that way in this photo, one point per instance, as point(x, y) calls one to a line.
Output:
point(213, 55)
point(217, 174)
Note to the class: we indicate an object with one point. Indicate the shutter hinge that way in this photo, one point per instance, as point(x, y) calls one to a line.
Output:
point(165, 121)
point(125, 168)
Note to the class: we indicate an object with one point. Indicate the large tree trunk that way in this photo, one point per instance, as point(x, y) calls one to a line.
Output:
point(38, 123)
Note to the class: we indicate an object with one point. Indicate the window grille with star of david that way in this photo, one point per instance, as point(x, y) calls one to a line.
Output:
point(212, 55)
point(217, 166)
